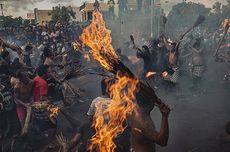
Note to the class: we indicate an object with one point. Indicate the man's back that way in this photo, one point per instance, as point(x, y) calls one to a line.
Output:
point(139, 135)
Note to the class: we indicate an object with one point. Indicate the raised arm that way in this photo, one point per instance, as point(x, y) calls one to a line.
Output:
point(145, 126)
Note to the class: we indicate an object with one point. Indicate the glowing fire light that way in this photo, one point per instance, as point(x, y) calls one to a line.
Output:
point(149, 74)
point(226, 23)
point(122, 92)
point(165, 74)
point(86, 56)
point(53, 111)
point(122, 104)
point(98, 38)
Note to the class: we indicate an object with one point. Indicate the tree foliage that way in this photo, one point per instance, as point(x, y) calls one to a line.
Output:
point(10, 21)
point(184, 14)
point(62, 14)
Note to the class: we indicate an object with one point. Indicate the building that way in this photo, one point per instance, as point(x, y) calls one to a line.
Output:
point(42, 16)
point(132, 5)
point(78, 14)
point(88, 8)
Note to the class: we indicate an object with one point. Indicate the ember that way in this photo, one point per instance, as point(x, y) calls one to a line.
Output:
point(86, 56)
point(149, 74)
point(53, 111)
point(165, 74)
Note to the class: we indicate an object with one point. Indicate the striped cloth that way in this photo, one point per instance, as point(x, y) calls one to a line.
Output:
point(198, 71)
point(8, 102)
point(173, 77)
point(40, 113)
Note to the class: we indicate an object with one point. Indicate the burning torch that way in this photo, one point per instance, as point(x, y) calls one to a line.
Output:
point(226, 25)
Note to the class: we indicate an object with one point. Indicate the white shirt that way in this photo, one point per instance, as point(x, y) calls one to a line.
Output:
point(100, 102)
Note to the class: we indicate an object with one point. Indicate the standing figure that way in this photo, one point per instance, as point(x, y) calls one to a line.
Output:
point(144, 135)
point(23, 95)
point(96, 5)
point(122, 7)
point(111, 4)
point(171, 73)
point(197, 64)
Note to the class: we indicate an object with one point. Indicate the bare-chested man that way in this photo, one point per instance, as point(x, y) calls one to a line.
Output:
point(143, 132)
point(197, 65)
point(171, 73)
point(23, 94)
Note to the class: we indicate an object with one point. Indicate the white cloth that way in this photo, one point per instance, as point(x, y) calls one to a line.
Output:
point(100, 102)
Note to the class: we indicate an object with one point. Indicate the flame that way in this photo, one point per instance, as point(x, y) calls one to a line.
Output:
point(98, 38)
point(53, 111)
point(121, 105)
point(86, 56)
point(149, 74)
point(226, 23)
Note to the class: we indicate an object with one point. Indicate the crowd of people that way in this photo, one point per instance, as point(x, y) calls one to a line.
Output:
point(32, 57)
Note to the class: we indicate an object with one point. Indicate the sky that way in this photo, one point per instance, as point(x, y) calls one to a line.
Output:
point(22, 7)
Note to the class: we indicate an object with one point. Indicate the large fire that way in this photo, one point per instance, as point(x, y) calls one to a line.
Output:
point(109, 123)
point(98, 38)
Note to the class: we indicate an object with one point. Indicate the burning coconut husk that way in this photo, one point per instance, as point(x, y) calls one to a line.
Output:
point(226, 25)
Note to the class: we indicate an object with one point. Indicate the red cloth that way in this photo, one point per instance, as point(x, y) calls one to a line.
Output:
point(21, 111)
point(40, 88)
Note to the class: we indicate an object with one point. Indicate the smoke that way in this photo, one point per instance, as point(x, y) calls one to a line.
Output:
point(19, 4)
point(22, 7)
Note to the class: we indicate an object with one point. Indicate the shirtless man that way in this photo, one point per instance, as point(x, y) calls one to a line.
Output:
point(197, 65)
point(23, 94)
point(143, 132)
point(171, 73)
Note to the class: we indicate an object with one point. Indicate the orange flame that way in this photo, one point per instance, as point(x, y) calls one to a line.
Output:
point(53, 111)
point(121, 105)
point(98, 38)
point(149, 74)
point(86, 56)
point(226, 23)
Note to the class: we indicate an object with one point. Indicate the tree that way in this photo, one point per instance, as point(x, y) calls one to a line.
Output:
point(217, 8)
point(62, 14)
point(9, 21)
point(183, 15)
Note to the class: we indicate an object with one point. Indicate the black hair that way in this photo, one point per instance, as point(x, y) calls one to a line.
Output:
point(42, 70)
point(118, 51)
point(145, 47)
point(155, 42)
point(46, 51)
point(197, 43)
point(103, 87)
point(4, 54)
point(28, 48)
point(105, 84)
point(20, 73)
